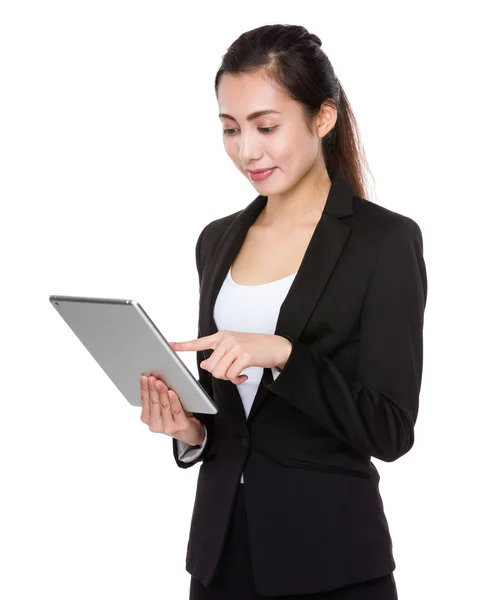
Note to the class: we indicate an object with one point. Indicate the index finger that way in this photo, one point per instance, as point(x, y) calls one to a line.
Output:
point(202, 343)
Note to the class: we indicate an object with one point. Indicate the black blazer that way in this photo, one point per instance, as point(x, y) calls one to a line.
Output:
point(349, 391)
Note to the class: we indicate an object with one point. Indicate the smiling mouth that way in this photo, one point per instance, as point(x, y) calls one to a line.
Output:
point(260, 170)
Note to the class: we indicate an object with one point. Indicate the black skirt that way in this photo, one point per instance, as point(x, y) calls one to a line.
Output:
point(234, 575)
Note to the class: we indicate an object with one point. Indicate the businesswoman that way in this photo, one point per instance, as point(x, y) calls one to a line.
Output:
point(311, 311)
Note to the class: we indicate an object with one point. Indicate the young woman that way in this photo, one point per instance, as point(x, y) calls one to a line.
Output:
point(312, 301)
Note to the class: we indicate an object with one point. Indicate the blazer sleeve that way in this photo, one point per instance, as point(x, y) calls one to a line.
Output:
point(376, 411)
point(187, 457)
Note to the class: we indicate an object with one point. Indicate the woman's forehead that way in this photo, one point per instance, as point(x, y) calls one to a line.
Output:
point(245, 94)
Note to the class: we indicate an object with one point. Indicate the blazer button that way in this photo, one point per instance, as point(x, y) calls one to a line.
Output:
point(244, 441)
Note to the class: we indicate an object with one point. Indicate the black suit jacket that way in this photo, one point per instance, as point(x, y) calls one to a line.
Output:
point(348, 392)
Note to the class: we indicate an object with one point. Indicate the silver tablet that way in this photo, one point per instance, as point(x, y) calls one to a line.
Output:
point(124, 341)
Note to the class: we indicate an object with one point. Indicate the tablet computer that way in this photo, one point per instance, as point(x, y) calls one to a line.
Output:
point(125, 342)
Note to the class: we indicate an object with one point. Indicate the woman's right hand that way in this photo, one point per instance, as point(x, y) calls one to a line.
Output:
point(163, 413)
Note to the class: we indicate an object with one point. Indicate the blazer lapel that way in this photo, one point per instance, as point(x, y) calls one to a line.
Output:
point(325, 247)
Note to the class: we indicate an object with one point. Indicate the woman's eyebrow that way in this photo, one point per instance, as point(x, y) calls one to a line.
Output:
point(252, 115)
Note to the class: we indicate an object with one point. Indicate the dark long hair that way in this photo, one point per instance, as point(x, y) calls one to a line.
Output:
point(291, 57)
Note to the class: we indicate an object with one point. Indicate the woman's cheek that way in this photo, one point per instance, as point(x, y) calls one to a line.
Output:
point(231, 150)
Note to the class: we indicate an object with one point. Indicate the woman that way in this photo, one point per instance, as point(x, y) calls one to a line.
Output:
point(311, 302)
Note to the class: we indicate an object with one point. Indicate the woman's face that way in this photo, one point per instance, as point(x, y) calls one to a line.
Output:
point(287, 144)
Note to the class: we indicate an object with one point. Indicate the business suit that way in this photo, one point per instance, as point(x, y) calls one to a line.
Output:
point(349, 391)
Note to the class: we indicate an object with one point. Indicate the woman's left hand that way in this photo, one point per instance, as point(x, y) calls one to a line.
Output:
point(234, 351)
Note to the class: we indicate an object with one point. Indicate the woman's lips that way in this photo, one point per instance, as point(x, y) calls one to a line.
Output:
point(262, 175)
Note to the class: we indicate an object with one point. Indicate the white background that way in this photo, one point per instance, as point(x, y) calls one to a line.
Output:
point(112, 162)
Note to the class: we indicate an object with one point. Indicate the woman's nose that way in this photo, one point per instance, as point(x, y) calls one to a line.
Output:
point(248, 152)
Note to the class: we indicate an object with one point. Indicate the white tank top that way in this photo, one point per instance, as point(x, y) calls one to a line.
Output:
point(254, 309)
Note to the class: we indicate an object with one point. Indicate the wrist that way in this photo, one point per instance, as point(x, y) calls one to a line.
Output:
point(200, 437)
point(286, 350)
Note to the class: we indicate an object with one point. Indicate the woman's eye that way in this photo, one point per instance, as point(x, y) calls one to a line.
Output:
point(268, 129)
point(263, 129)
